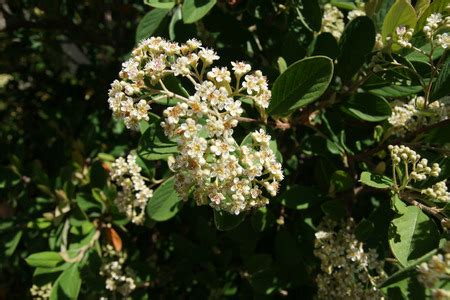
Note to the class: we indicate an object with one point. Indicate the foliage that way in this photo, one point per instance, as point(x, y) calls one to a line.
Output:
point(352, 149)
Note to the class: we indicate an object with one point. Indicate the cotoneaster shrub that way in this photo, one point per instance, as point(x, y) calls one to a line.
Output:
point(229, 149)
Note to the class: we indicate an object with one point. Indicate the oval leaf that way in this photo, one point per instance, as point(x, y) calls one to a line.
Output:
point(164, 203)
point(194, 10)
point(46, 259)
point(302, 83)
point(150, 23)
point(356, 43)
point(412, 234)
point(400, 14)
point(367, 107)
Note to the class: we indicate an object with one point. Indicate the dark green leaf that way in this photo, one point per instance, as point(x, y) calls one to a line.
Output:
point(334, 209)
point(367, 107)
point(400, 14)
point(441, 87)
point(356, 43)
point(302, 83)
point(326, 44)
point(310, 14)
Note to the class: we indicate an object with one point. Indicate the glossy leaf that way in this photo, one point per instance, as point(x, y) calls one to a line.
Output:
point(355, 45)
point(150, 23)
point(302, 83)
point(400, 14)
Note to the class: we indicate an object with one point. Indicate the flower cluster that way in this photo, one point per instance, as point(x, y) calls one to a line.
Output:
point(436, 22)
point(333, 21)
point(333, 18)
point(414, 114)
point(134, 194)
point(222, 173)
point(348, 272)
point(433, 271)
point(118, 278)
point(402, 36)
point(358, 11)
point(41, 292)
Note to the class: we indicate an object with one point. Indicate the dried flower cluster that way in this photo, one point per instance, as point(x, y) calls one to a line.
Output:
point(415, 114)
point(435, 270)
point(41, 292)
point(118, 278)
point(348, 272)
point(134, 194)
point(224, 174)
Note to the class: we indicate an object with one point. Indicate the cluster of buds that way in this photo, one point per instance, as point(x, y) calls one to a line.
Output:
point(133, 195)
point(224, 174)
point(438, 191)
point(118, 278)
point(435, 23)
point(402, 36)
point(433, 271)
point(41, 292)
point(348, 272)
point(411, 116)
point(417, 169)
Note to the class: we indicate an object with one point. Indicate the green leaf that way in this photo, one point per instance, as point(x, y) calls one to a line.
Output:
point(441, 87)
point(367, 107)
point(47, 259)
point(225, 221)
point(150, 23)
point(165, 4)
point(300, 197)
point(340, 181)
point(282, 65)
point(412, 233)
point(153, 144)
point(375, 180)
point(400, 14)
point(356, 43)
point(421, 6)
point(165, 202)
point(302, 83)
point(68, 284)
point(13, 239)
point(310, 14)
point(326, 44)
point(194, 10)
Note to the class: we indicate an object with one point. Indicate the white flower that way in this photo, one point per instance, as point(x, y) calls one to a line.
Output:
point(219, 75)
point(208, 56)
point(240, 68)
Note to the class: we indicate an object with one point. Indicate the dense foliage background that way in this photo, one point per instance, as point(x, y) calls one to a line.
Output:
point(58, 139)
